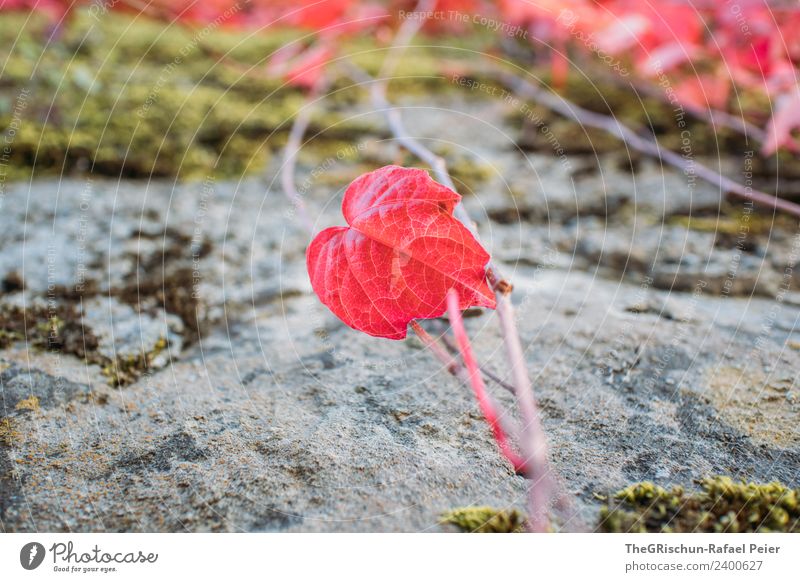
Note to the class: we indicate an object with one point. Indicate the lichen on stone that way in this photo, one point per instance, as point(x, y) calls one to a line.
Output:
point(31, 403)
point(9, 435)
point(722, 505)
point(485, 519)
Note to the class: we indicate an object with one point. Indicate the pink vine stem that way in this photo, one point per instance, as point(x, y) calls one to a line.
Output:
point(457, 370)
point(475, 379)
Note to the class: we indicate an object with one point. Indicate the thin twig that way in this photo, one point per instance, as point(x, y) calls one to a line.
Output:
point(293, 143)
point(447, 361)
point(452, 348)
point(457, 369)
point(534, 442)
point(714, 117)
point(478, 387)
point(645, 145)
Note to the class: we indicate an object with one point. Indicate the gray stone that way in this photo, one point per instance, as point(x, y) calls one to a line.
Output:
point(271, 415)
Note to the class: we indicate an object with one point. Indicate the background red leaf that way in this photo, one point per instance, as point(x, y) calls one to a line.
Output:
point(401, 254)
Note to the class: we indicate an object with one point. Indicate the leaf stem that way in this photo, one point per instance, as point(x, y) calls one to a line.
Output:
point(452, 348)
point(437, 350)
point(478, 387)
point(454, 367)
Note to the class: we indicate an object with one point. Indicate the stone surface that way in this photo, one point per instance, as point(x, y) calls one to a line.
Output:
point(265, 413)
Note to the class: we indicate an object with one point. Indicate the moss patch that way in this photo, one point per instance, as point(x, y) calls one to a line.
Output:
point(31, 403)
point(61, 330)
point(733, 226)
point(139, 98)
point(722, 505)
point(9, 435)
point(485, 520)
point(126, 370)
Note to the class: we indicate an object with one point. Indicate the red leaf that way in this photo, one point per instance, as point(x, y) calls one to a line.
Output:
point(401, 254)
point(301, 70)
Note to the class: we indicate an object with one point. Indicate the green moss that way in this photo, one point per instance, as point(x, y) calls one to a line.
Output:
point(421, 68)
point(732, 222)
point(57, 329)
point(8, 337)
point(138, 97)
point(141, 98)
point(125, 370)
point(721, 505)
point(485, 520)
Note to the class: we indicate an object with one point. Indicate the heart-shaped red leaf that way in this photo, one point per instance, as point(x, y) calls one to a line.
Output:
point(403, 251)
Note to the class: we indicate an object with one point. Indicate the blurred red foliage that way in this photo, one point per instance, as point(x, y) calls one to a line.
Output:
point(709, 51)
